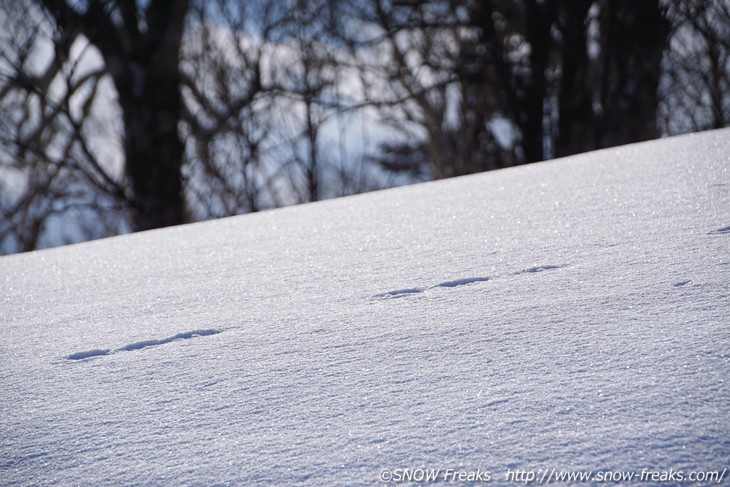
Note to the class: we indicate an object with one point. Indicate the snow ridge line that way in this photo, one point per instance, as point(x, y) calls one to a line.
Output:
point(143, 344)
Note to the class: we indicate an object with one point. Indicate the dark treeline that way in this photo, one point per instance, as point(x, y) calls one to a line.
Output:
point(125, 116)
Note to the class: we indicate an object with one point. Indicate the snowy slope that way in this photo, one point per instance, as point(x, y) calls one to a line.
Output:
point(570, 315)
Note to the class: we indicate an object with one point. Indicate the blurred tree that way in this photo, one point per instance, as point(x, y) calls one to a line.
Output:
point(695, 92)
point(564, 76)
point(262, 85)
point(140, 45)
point(127, 116)
point(632, 41)
point(50, 166)
point(121, 116)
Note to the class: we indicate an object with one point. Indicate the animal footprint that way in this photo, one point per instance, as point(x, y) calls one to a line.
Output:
point(462, 282)
point(720, 231)
point(141, 345)
point(539, 269)
point(88, 354)
point(398, 294)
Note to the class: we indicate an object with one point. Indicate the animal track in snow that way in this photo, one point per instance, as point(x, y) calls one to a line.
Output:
point(411, 291)
point(143, 344)
point(720, 231)
point(88, 354)
point(462, 282)
point(179, 336)
point(400, 293)
point(538, 269)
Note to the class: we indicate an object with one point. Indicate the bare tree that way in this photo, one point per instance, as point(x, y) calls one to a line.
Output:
point(696, 88)
point(444, 71)
point(49, 164)
point(226, 92)
point(633, 38)
point(261, 89)
point(121, 116)
point(125, 116)
point(425, 72)
point(140, 46)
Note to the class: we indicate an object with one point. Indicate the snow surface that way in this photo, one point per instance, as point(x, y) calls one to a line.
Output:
point(571, 314)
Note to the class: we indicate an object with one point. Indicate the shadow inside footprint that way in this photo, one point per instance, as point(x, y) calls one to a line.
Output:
point(720, 231)
point(87, 354)
point(143, 344)
point(398, 293)
point(462, 282)
point(411, 291)
point(539, 269)
point(179, 336)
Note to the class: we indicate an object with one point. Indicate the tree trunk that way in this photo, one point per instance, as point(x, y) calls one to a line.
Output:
point(634, 35)
point(540, 17)
point(141, 50)
point(149, 94)
point(576, 121)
